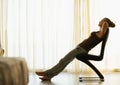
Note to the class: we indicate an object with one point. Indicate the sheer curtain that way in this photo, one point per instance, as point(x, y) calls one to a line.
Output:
point(3, 24)
point(43, 31)
point(81, 27)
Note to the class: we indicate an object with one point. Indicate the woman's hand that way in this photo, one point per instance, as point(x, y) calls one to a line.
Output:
point(105, 25)
point(103, 29)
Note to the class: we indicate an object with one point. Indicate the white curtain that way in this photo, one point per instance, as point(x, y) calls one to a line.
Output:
point(3, 24)
point(81, 28)
point(43, 31)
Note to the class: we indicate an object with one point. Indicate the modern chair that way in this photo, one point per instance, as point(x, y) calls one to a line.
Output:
point(86, 57)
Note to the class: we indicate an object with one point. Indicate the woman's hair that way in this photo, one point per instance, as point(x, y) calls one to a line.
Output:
point(111, 24)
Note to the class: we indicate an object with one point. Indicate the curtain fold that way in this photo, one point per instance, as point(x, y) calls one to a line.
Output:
point(39, 30)
point(81, 27)
point(3, 25)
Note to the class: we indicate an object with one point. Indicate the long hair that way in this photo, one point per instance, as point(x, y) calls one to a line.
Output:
point(111, 24)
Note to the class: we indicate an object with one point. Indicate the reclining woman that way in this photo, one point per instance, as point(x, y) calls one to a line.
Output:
point(84, 47)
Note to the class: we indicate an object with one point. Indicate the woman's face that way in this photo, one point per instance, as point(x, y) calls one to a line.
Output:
point(110, 23)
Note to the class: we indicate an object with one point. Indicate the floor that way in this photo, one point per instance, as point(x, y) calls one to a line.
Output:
point(65, 78)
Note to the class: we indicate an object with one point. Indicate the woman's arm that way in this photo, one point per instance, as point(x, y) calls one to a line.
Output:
point(103, 30)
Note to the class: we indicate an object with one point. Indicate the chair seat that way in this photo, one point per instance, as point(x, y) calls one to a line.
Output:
point(89, 57)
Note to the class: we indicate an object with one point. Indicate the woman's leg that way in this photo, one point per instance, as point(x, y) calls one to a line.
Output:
point(64, 62)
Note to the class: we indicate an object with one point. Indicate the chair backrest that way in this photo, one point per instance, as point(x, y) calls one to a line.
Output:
point(95, 57)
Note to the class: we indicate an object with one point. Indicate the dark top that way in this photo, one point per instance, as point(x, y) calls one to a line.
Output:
point(91, 41)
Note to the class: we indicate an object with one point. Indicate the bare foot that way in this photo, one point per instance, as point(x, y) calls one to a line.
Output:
point(45, 78)
point(41, 73)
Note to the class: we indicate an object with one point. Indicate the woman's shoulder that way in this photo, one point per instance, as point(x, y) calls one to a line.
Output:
point(94, 32)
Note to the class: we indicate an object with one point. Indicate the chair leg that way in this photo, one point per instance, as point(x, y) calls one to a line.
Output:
point(94, 69)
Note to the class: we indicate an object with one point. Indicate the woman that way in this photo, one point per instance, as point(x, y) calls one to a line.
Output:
point(84, 47)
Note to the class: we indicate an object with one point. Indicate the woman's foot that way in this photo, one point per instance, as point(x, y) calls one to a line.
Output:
point(45, 78)
point(41, 73)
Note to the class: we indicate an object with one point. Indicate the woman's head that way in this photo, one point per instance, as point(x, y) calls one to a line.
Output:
point(110, 23)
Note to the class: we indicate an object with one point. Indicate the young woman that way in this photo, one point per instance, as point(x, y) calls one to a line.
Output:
point(83, 47)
